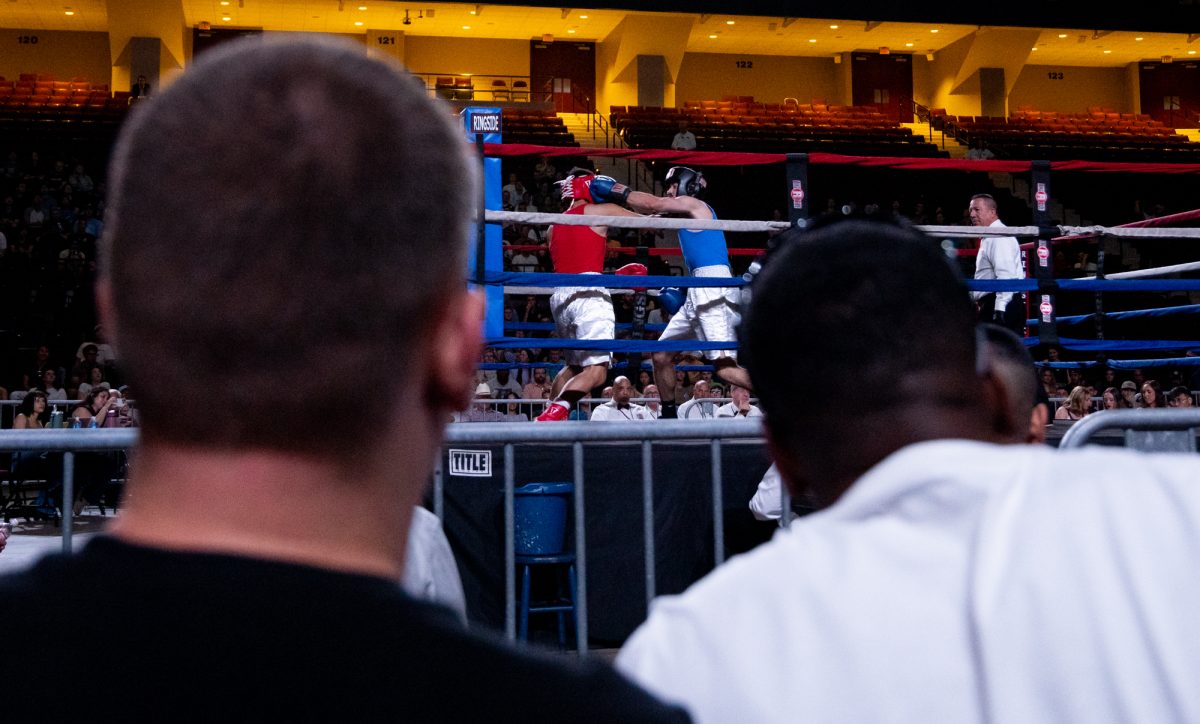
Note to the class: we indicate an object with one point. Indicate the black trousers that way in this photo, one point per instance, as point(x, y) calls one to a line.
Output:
point(1014, 315)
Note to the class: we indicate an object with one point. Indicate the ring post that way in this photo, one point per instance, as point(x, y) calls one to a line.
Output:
point(482, 125)
point(1043, 270)
point(797, 177)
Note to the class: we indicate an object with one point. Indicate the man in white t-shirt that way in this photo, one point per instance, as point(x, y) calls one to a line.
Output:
point(955, 574)
point(685, 140)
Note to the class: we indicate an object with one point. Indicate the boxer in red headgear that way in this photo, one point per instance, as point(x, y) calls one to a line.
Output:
point(581, 312)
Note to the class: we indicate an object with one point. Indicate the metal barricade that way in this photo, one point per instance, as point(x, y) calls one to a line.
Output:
point(507, 434)
point(575, 434)
point(1163, 430)
point(68, 442)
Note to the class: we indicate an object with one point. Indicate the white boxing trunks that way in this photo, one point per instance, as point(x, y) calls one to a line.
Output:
point(709, 314)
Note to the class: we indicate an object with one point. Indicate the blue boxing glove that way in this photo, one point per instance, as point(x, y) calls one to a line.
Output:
point(671, 299)
point(606, 189)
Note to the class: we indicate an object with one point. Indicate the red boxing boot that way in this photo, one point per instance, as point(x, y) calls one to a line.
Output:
point(554, 413)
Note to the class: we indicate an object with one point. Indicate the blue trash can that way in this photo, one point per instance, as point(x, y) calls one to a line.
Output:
point(540, 518)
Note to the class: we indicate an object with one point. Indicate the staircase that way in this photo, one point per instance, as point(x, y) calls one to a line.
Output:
point(937, 138)
point(577, 126)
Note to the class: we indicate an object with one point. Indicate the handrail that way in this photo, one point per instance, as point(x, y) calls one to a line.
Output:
point(924, 113)
point(1178, 419)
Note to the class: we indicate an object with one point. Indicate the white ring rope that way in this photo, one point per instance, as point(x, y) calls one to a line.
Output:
point(633, 222)
point(967, 232)
point(1153, 272)
point(1130, 232)
point(974, 232)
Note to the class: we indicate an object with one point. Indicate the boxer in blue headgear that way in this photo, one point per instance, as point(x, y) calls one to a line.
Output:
point(708, 313)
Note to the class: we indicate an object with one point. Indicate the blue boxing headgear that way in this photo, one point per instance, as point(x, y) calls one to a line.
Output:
point(690, 182)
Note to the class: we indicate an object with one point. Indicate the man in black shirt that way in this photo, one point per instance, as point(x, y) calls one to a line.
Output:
point(271, 244)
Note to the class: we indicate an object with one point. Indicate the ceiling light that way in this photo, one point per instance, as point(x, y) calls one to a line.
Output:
point(224, 2)
point(364, 7)
point(1034, 48)
point(69, 12)
point(1062, 35)
point(571, 30)
point(583, 17)
point(1139, 39)
point(812, 40)
point(472, 12)
point(712, 37)
point(1191, 52)
point(358, 23)
point(933, 30)
point(908, 45)
point(1107, 52)
point(226, 19)
point(466, 27)
point(730, 22)
point(833, 27)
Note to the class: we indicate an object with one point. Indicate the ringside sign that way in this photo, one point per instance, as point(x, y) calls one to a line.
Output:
point(485, 122)
point(471, 463)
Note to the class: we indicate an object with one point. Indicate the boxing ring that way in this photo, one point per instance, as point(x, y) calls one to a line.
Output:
point(1041, 287)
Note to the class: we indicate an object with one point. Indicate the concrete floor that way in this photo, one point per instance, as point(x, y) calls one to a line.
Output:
point(31, 540)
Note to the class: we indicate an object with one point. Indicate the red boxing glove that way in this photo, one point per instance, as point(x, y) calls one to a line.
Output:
point(634, 270)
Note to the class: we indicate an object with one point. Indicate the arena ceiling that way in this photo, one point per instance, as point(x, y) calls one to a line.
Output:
point(1087, 43)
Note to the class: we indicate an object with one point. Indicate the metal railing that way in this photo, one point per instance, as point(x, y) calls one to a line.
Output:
point(575, 434)
point(509, 435)
point(68, 442)
point(1177, 429)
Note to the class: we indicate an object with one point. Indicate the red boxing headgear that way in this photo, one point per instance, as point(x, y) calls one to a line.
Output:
point(578, 187)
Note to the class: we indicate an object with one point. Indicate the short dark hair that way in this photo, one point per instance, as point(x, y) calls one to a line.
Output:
point(1010, 359)
point(1179, 391)
point(863, 307)
point(986, 197)
point(283, 207)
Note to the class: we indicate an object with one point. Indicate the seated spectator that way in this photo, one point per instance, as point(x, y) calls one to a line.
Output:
point(979, 151)
point(1076, 407)
point(524, 261)
point(104, 351)
point(947, 552)
point(1152, 395)
point(40, 363)
point(1180, 396)
point(512, 411)
point(544, 172)
point(1128, 399)
point(536, 388)
point(685, 140)
point(700, 407)
point(503, 384)
point(32, 413)
point(619, 408)
point(481, 411)
point(49, 385)
point(652, 401)
point(740, 407)
point(1112, 398)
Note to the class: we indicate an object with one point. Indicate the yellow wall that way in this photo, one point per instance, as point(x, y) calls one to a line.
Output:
point(769, 78)
point(940, 81)
point(423, 54)
point(1078, 89)
point(63, 53)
